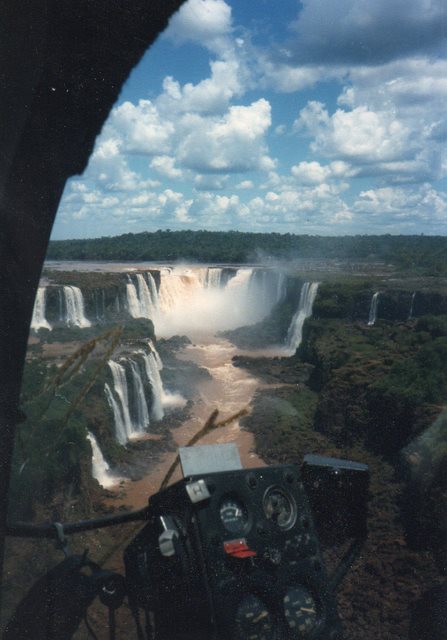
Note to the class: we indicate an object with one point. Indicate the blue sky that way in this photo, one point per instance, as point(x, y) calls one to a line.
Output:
point(315, 117)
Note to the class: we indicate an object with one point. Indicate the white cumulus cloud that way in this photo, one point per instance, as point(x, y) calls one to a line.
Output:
point(211, 95)
point(205, 22)
point(232, 143)
point(404, 209)
point(165, 165)
point(140, 128)
point(359, 135)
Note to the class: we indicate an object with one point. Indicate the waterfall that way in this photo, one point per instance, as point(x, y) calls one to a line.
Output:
point(119, 401)
point(194, 300)
point(133, 303)
point(373, 309)
point(152, 289)
point(153, 367)
point(39, 320)
point(410, 315)
point(142, 413)
point(266, 288)
point(61, 305)
point(120, 425)
point(161, 397)
point(127, 396)
point(246, 296)
point(156, 355)
point(258, 287)
point(281, 287)
point(295, 332)
point(100, 468)
point(213, 277)
point(241, 280)
point(142, 299)
point(145, 297)
point(74, 305)
point(202, 275)
point(179, 286)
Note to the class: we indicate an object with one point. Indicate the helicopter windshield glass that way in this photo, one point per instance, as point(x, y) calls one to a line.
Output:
point(255, 254)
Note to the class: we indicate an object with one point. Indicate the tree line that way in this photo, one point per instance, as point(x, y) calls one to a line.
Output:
point(425, 253)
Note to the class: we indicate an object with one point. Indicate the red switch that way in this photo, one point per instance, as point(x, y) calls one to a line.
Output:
point(238, 549)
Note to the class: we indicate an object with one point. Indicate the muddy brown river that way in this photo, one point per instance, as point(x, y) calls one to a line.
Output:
point(230, 391)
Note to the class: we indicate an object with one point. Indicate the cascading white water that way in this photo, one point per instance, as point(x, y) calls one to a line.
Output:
point(153, 373)
point(281, 287)
point(142, 413)
point(142, 298)
point(295, 332)
point(74, 305)
point(201, 273)
point(267, 287)
point(61, 305)
point(152, 289)
point(100, 468)
point(133, 303)
point(156, 355)
point(373, 309)
point(120, 425)
point(39, 320)
point(161, 397)
point(192, 304)
point(147, 307)
point(241, 281)
point(410, 315)
point(131, 379)
point(177, 287)
point(119, 401)
point(213, 277)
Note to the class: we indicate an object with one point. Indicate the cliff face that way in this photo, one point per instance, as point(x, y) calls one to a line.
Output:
point(383, 389)
point(104, 295)
point(374, 395)
point(381, 383)
point(273, 328)
point(352, 301)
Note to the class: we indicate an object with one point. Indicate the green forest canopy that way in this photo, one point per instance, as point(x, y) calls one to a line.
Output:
point(427, 253)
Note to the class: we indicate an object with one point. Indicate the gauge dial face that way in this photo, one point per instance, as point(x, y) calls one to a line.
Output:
point(301, 611)
point(254, 621)
point(233, 515)
point(279, 507)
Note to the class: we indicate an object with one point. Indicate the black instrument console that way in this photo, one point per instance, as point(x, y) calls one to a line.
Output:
point(233, 555)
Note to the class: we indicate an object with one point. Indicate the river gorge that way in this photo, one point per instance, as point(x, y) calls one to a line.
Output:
point(127, 362)
point(192, 301)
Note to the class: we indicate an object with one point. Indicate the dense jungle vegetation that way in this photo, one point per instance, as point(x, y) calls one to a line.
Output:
point(424, 254)
point(368, 390)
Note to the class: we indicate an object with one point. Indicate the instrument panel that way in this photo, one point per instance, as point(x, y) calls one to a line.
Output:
point(249, 536)
point(278, 504)
point(233, 515)
point(273, 525)
point(280, 507)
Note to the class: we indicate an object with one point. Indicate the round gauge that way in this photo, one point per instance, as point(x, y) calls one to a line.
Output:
point(254, 621)
point(280, 507)
point(233, 515)
point(301, 610)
